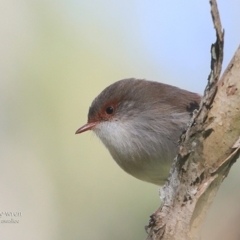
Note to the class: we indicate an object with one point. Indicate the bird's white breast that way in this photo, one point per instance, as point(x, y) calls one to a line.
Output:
point(143, 149)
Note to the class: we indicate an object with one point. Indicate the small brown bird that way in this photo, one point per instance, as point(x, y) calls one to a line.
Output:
point(140, 123)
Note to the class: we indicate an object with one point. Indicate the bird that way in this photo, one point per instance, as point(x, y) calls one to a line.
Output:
point(140, 121)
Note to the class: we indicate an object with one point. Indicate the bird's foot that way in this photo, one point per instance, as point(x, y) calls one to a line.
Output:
point(151, 223)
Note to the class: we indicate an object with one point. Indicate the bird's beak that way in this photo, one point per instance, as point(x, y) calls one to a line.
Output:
point(86, 127)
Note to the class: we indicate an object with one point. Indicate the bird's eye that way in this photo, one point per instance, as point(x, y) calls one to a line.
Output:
point(109, 110)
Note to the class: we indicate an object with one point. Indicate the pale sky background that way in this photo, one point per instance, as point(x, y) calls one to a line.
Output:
point(55, 57)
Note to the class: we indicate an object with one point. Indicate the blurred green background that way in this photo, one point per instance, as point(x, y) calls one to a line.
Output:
point(56, 56)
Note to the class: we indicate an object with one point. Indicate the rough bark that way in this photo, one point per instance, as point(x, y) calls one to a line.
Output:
point(207, 151)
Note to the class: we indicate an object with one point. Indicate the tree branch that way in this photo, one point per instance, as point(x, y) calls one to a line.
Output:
point(207, 151)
